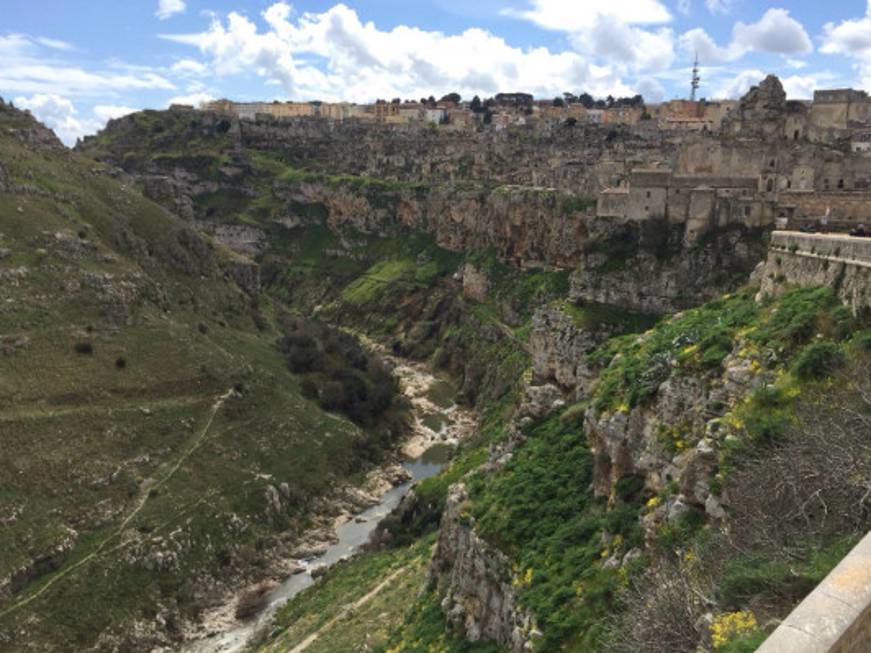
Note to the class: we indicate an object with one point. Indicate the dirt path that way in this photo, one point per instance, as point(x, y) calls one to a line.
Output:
point(47, 411)
point(144, 495)
point(363, 600)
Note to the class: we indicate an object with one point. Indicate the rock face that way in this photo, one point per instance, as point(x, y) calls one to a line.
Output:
point(559, 348)
point(476, 285)
point(474, 579)
point(653, 440)
point(684, 277)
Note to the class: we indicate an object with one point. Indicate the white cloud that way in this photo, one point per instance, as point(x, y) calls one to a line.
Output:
point(719, 6)
point(55, 44)
point(581, 14)
point(168, 8)
point(106, 112)
point(797, 87)
point(59, 114)
point(740, 84)
point(683, 6)
point(334, 55)
point(798, 64)
point(193, 99)
point(697, 41)
point(776, 32)
point(188, 67)
point(28, 69)
point(651, 89)
point(628, 47)
point(852, 38)
point(801, 87)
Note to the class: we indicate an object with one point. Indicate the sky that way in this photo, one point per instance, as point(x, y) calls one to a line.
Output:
point(76, 64)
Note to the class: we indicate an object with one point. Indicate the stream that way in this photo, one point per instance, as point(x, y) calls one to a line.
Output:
point(438, 424)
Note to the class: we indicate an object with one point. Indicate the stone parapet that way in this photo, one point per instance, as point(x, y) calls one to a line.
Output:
point(836, 616)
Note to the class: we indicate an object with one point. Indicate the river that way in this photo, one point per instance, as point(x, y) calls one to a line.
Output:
point(438, 424)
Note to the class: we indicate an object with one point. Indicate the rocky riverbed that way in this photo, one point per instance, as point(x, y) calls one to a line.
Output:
point(348, 517)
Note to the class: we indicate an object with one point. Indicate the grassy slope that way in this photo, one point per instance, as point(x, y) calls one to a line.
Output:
point(86, 441)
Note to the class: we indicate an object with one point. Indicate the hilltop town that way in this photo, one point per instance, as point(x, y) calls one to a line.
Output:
point(831, 110)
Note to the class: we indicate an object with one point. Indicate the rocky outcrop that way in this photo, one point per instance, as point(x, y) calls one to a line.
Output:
point(39, 566)
point(476, 284)
point(761, 111)
point(672, 439)
point(669, 278)
point(474, 579)
point(559, 349)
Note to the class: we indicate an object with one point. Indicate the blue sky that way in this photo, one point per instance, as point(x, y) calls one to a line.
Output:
point(76, 64)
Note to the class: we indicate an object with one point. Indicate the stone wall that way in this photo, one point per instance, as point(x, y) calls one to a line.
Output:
point(836, 616)
point(839, 261)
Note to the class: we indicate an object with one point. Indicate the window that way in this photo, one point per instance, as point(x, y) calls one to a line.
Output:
point(840, 183)
point(795, 135)
point(771, 165)
point(826, 184)
point(770, 185)
point(789, 183)
point(648, 193)
point(747, 211)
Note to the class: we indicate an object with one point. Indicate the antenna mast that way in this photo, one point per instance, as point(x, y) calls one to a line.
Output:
point(696, 79)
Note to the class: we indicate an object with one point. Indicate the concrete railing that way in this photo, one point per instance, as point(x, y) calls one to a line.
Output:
point(836, 616)
point(835, 247)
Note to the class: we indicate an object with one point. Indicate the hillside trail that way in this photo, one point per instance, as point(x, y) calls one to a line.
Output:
point(356, 605)
point(47, 411)
point(145, 494)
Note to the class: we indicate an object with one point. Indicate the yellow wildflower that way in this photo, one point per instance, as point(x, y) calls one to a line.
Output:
point(727, 627)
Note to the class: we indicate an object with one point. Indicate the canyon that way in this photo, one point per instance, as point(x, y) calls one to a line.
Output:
point(640, 343)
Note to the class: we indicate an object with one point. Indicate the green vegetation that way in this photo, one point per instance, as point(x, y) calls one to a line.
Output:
point(593, 317)
point(818, 360)
point(539, 510)
point(368, 287)
point(701, 338)
point(341, 375)
point(123, 334)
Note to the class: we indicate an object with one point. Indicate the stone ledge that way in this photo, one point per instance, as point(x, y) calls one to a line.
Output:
point(836, 616)
point(835, 247)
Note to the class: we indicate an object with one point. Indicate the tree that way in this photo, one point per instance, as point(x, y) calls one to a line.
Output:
point(587, 100)
point(475, 105)
point(559, 102)
point(452, 97)
point(570, 98)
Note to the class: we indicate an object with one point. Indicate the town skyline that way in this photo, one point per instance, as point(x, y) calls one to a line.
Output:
point(75, 69)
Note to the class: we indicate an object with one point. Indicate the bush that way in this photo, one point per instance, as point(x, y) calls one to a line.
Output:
point(84, 347)
point(818, 360)
point(120, 362)
point(253, 600)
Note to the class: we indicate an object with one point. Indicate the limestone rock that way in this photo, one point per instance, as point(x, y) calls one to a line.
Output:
point(479, 601)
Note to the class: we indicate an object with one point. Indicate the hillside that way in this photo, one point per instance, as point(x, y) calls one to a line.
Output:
point(147, 412)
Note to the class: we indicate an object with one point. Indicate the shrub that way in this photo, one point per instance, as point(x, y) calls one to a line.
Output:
point(120, 362)
point(253, 600)
point(84, 347)
point(818, 360)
